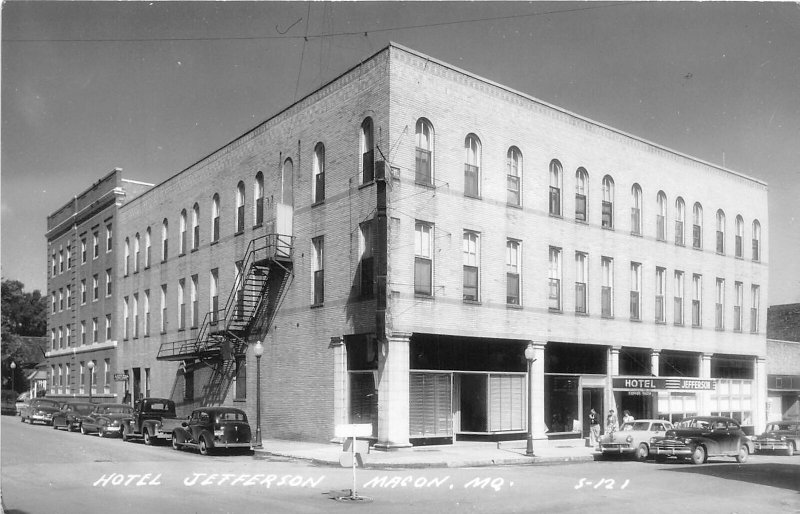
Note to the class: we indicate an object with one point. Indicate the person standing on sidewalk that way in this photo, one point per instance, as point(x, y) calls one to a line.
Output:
point(594, 428)
point(611, 422)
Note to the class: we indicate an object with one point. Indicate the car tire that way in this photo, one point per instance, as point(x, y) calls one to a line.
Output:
point(148, 440)
point(789, 450)
point(741, 457)
point(101, 432)
point(204, 448)
point(698, 455)
point(175, 444)
point(83, 430)
point(642, 452)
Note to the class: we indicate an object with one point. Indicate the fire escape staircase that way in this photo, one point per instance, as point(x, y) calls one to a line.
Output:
point(250, 308)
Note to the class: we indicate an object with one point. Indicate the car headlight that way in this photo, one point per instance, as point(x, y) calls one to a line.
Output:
point(687, 441)
point(653, 440)
point(218, 433)
point(629, 439)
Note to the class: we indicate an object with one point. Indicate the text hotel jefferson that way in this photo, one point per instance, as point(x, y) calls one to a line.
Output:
point(397, 239)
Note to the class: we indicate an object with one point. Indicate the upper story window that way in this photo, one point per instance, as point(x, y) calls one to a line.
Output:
point(697, 226)
point(472, 166)
point(164, 239)
point(424, 152)
point(318, 244)
point(61, 261)
point(96, 244)
point(581, 282)
point(556, 176)
point(109, 238)
point(514, 176)
point(147, 248)
point(755, 301)
point(183, 222)
point(756, 240)
point(680, 217)
point(423, 258)
point(367, 262)
point(83, 250)
point(69, 257)
point(136, 253)
point(239, 208)
point(554, 270)
point(739, 236)
point(258, 200)
point(215, 218)
point(287, 182)
point(367, 151)
point(126, 267)
point(607, 287)
point(195, 227)
point(678, 298)
point(513, 272)
point(720, 231)
point(318, 184)
point(697, 300)
point(661, 291)
point(636, 291)
point(661, 216)
point(608, 202)
point(581, 194)
point(471, 259)
point(720, 305)
point(636, 210)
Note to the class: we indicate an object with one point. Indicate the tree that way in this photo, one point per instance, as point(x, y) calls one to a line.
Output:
point(23, 315)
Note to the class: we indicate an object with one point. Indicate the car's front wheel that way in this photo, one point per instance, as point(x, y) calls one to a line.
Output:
point(741, 458)
point(698, 455)
point(642, 452)
point(789, 450)
point(175, 444)
point(148, 439)
point(101, 432)
point(204, 447)
point(83, 429)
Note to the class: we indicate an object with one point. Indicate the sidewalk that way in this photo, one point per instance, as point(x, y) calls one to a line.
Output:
point(458, 455)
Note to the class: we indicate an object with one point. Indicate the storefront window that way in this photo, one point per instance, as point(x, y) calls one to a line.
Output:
point(561, 406)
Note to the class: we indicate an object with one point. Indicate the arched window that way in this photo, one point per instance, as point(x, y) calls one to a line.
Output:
point(720, 231)
point(215, 218)
point(287, 182)
point(136, 253)
point(367, 152)
point(239, 208)
point(472, 166)
point(756, 240)
point(739, 236)
point(424, 152)
point(514, 176)
point(636, 210)
point(182, 229)
point(608, 202)
point(147, 251)
point(697, 226)
point(555, 187)
point(581, 194)
point(127, 267)
point(258, 200)
point(680, 217)
point(195, 226)
point(164, 240)
point(318, 185)
point(661, 216)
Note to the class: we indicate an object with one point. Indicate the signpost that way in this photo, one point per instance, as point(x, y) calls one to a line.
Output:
point(120, 377)
point(353, 458)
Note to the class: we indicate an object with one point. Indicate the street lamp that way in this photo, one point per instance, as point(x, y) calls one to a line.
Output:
point(13, 367)
point(258, 351)
point(529, 352)
point(91, 379)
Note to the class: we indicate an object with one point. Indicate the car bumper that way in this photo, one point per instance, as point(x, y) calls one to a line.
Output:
point(44, 418)
point(617, 448)
point(770, 445)
point(671, 451)
point(220, 444)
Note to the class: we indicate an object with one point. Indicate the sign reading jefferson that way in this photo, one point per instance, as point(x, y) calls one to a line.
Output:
point(655, 383)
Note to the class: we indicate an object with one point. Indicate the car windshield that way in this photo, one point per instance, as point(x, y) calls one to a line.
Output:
point(782, 426)
point(160, 407)
point(231, 416)
point(114, 409)
point(83, 409)
point(693, 423)
point(45, 403)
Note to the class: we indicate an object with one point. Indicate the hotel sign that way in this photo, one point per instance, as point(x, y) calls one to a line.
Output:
point(655, 384)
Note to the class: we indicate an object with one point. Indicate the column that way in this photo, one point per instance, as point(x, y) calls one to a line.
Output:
point(393, 396)
point(655, 362)
point(537, 391)
point(340, 383)
point(612, 370)
point(704, 402)
point(759, 395)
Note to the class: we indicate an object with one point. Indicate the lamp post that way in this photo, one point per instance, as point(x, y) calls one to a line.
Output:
point(529, 352)
point(13, 372)
point(258, 351)
point(91, 379)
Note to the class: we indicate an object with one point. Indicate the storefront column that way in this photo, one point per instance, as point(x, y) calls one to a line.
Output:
point(612, 367)
point(655, 362)
point(393, 395)
point(537, 390)
point(340, 413)
point(760, 395)
point(704, 397)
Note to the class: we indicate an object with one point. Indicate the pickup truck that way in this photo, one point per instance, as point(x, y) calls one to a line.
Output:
point(153, 420)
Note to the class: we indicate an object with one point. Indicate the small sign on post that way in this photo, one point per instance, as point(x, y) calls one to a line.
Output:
point(352, 451)
point(120, 377)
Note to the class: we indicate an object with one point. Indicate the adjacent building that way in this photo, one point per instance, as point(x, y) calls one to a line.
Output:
point(399, 237)
point(783, 361)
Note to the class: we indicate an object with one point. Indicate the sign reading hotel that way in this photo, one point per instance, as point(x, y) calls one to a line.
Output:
point(672, 384)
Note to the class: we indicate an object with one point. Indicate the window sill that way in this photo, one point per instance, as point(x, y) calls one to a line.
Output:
point(718, 329)
point(182, 254)
point(147, 267)
point(193, 250)
point(699, 248)
point(238, 233)
point(555, 311)
point(240, 400)
point(679, 244)
point(366, 184)
point(212, 243)
point(426, 185)
point(677, 324)
point(471, 302)
point(514, 206)
point(582, 314)
point(163, 332)
point(554, 215)
point(635, 320)
point(606, 317)
point(637, 234)
point(514, 306)
point(581, 222)
point(423, 296)
point(661, 322)
point(697, 326)
point(473, 197)
point(316, 305)
point(607, 228)
point(317, 204)
point(163, 261)
point(661, 240)
point(181, 330)
point(739, 257)
point(720, 253)
point(136, 272)
point(257, 226)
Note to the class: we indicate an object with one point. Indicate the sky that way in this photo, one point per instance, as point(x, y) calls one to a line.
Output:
point(152, 87)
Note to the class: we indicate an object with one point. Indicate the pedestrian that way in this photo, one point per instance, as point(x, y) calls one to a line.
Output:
point(611, 422)
point(594, 428)
point(627, 418)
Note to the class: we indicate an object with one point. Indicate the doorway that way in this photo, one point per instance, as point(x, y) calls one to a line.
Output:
point(592, 398)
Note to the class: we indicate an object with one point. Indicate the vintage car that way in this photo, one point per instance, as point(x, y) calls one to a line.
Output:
point(701, 437)
point(106, 419)
point(779, 436)
point(40, 410)
point(211, 428)
point(71, 415)
point(633, 438)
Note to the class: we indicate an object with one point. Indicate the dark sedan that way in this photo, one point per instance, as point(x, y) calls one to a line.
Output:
point(106, 419)
point(210, 428)
point(781, 436)
point(40, 410)
point(71, 415)
point(701, 437)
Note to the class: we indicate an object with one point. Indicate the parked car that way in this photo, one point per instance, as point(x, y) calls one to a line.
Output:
point(106, 419)
point(633, 438)
point(153, 420)
point(779, 435)
point(701, 437)
point(40, 410)
point(22, 402)
point(72, 414)
point(9, 399)
point(210, 428)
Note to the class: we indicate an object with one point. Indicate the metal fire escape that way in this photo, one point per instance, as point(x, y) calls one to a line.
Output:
point(250, 308)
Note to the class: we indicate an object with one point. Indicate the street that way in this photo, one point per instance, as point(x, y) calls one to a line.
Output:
point(44, 470)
